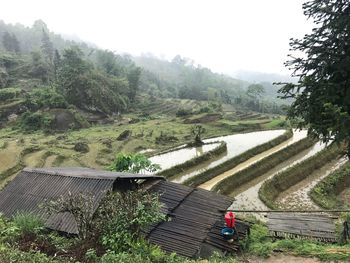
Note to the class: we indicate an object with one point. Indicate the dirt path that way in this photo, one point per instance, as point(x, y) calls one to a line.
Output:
point(282, 258)
point(297, 197)
point(297, 135)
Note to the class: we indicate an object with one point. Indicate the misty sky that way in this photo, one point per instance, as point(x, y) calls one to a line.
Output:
point(224, 35)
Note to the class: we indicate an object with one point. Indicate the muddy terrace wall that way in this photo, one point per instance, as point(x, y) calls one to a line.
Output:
point(326, 192)
point(229, 164)
point(261, 167)
point(271, 188)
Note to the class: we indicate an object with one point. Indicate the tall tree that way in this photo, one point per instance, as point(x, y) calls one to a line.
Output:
point(322, 94)
point(56, 62)
point(10, 42)
point(255, 91)
point(73, 76)
point(47, 47)
point(133, 78)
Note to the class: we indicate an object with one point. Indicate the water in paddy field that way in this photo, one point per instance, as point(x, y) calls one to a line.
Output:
point(175, 157)
point(236, 144)
point(247, 195)
point(297, 135)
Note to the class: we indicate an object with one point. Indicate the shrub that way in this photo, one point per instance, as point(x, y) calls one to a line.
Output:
point(122, 216)
point(28, 223)
point(81, 206)
point(30, 121)
point(134, 163)
point(81, 147)
point(45, 97)
point(9, 93)
point(183, 112)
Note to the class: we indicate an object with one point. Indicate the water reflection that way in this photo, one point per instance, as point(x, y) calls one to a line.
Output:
point(236, 144)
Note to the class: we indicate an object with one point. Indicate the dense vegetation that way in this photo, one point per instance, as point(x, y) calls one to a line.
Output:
point(184, 79)
point(44, 71)
point(48, 77)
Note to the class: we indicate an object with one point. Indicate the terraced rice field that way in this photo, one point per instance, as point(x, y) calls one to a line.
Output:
point(297, 135)
point(297, 197)
point(236, 144)
point(247, 196)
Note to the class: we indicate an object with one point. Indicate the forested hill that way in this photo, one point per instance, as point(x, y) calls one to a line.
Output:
point(181, 77)
point(41, 72)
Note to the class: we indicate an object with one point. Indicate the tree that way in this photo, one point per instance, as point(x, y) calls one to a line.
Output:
point(322, 93)
point(47, 47)
point(73, 76)
point(10, 42)
point(56, 62)
point(197, 132)
point(134, 163)
point(133, 78)
point(255, 91)
point(39, 69)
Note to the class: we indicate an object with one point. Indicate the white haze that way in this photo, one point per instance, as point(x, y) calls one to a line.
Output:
point(224, 35)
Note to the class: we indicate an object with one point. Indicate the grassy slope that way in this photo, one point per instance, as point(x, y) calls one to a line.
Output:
point(103, 143)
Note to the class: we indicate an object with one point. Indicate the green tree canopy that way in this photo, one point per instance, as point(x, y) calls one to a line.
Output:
point(133, 163)
point(322, 94)
point(255, 91)
point(10, 42)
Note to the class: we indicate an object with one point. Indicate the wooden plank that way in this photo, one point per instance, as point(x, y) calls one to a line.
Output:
point(309, 225)
point(298, 216)
point(301, 227)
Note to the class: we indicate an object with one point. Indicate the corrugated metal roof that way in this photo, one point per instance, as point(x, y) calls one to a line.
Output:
point(196, 214)
point(32, 187)
point(89, 173)
point(196, 219)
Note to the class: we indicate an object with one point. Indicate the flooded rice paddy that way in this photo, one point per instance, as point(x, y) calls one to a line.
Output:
point(236, 144)
point(297, 135)
point(172, 158)
point(247, 196)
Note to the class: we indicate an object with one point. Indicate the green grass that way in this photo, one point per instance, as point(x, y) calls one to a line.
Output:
point(260, 244)
point(144, 135)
